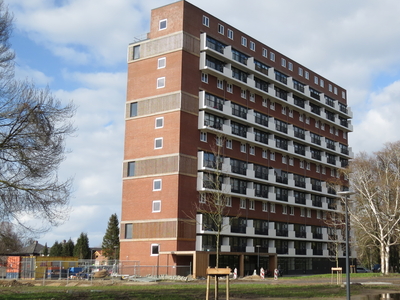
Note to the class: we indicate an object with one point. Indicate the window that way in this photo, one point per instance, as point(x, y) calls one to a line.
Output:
point(308, 213)
point(252, 205)
point(264, 52)
point(290, 113)
point(155, 249)
point(308, 167)
point(272, 56)
point(242, 203)
point(252, 97)
point(160, 122)
point(203, 198)
point(300, 71)
point(343, 95)
point(206, 21)
point(264, 154)
point(322, 126)
point(318, 168)
point(306, 75)
point(302, 212)
point(203, 136)
point(133, 109)
point(244, 41)
point(229, 144)
point(252, 46)
point(284, 159)
point(204, 77)
point(301, 117)
point(229, 88)
point(265, 102)
point(162, 24)
point(157, 184)
point(228, 201)
point(290, 66)
point(321, 83)
point(335, 90)
point(315, 79)
point(316, 124)
point(218, 141)
point(272, 207)
point(230, 34)
point(307, 120)
point(243, 148)
point(283, 62)
point(291, 161)
point(330, 87)
point(160, 82)
point(272, 105)
point(156, 207)
point(272, 156)
point(283, 110)
point(284, 209)
point(291, 210)
point(128, 230)
point(161, 63)
point(220, 29)
point(252, 150)
point(318, 214)
point(136, 52)
point(323, 170)
point(265, 206)
point(131, 169)
point(158, 143)
point(220, 84)
point(243, 94)
point(302, 164)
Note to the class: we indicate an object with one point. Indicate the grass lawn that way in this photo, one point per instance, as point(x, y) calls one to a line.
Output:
point(306, 288)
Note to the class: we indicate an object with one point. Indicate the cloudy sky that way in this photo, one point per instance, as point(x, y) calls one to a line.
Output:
point(78, 48)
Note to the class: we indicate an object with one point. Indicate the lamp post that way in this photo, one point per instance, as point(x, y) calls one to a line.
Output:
point(344, 195)
point(258, 257)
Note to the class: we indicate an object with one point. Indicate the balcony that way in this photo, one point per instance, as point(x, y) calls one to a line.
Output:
point(299, 183)
point(283, 250)
point(317, 235)
point(301, 234)
point(317, 251)
point(301, 251)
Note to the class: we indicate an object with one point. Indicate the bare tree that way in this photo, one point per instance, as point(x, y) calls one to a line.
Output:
point(335, 224)
point(33, 128)
point(375, 208)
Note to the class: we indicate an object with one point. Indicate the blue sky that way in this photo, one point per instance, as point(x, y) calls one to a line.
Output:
point(78, 48)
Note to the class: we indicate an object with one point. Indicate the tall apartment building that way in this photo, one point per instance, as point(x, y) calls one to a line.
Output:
point(196, 82)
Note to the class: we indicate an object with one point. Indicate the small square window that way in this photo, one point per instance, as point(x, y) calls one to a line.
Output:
point(316, 124)
point(323, 170)
point(133, 109)
point(229, 88)
point(301, 117)
point(264, 52)
point(318, 168)
point(203, 136)
point(244, 41)
point(301, 164)
point(230, 34)
point(203, 198)
point(265, 206)
point(283, 110)
point(335, 90)
point(220, 29)
point(272, 105)
point(265, 102)
point(321, 83)
point(272, 156)
point(290, 66)
point(252, 150)
point(243, 148)
point(264, 154)
point(155, 249)
point(330, 87)
point(290, 113)
point(243, 94)
point(315, 79)
point(242, 203)
point(343, 95)
point(272, 207)
point(301, 72)
point(220, 84)
point(284, 159)
point(206, 21)
point(283, 62)
point(345, 135)
point(308, 166)
point(322, 126)
point(308, 213)
point(161, 63)
point(307, 75)
point(284, 209)
point(158, 143)
point(272, 56)
point(218, 141)
point(307, 120)
point(229, 144)
point(157, 184)
point(292, 211)
point(131, 169)
point(252, 205)
point(160, 82)
point(291, 161)
point(228, 201)
point(163, 24)
point(252, 46)
point(252, 97)
point(160, 122)
point(204, 77)
point(302, 212)
point(156, 206)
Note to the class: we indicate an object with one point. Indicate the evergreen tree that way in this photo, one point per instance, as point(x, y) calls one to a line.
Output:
point(110, 245)
point(81, 249)
point(45, 250)
point(56, 249)
point(68, 248)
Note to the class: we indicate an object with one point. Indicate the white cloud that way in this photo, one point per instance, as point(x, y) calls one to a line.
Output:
point(37, 76)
